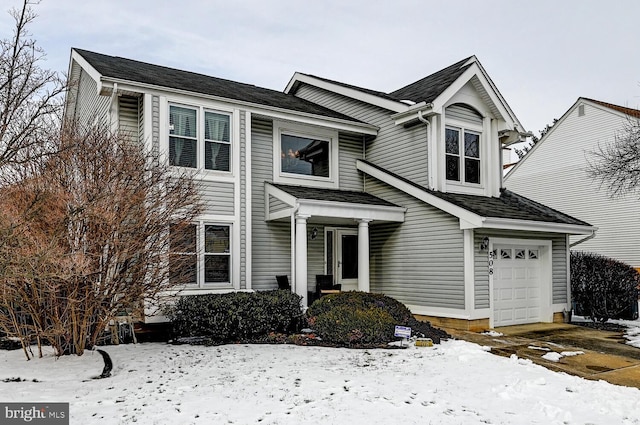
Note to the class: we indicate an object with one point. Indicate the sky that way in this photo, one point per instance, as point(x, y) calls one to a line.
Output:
point(541, 54)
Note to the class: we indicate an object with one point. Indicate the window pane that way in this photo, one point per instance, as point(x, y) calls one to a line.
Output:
point(329, 252)
point(452, 141)
point(182, 121)
point(182, 152)
point(472, 145)
point(216, 127)
point(349, 256)
point(216, 156)
point(301, 155)
point(453, 167)
point(183, 264)
point(216, 239)
point(216, 268)
point(472, 170)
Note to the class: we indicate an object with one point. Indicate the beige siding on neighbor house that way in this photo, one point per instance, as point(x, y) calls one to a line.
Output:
point(398, 149)
point(555, 175)
point(419, 262)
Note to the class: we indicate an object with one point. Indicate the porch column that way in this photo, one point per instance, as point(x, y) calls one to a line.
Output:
point(301, 257)
point(363, 255)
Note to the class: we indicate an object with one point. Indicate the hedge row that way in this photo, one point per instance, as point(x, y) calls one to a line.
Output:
point(237, 316)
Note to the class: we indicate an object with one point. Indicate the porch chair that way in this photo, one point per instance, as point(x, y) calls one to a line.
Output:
point(324, 285)
point(283, 282)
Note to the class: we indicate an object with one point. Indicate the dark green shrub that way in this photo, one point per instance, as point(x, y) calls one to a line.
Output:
point(348, 326)
point(356, 318)
point(236, 316)
point(602, 288)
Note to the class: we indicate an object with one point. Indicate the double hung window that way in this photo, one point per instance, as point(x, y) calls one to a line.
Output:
point(199, 138)
point(462, 155)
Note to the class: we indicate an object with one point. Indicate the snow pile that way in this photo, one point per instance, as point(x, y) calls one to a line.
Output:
point(492, 333)
point(555, 357)
point(453, 383)
point(632, 333)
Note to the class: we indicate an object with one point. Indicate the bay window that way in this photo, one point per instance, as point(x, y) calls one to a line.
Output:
point(199, 138)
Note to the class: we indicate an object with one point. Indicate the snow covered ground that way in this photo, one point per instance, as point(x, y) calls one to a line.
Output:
point(453, 383)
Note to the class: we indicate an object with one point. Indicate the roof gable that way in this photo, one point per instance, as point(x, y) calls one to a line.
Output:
point(627, 111)
point(117, 68)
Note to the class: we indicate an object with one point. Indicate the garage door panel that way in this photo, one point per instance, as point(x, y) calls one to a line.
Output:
point(517, 285)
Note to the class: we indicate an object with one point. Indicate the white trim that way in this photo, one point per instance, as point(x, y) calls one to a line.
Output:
point(362, 96)
point(568, 251)
point(147, 116)
point(537, 226)
point(315, 133)
point(452, 313)
point(248, 189)
point(93, 73)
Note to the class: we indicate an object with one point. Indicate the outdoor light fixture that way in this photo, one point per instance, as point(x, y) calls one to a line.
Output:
point(484, 244)
point(314, 234)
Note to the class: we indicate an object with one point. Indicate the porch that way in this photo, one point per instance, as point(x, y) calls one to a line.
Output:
point(329, 226)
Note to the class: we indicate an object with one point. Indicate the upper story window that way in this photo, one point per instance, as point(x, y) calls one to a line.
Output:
point(305, 155)
point(462, 145)
point(199, 138)
point(462, 149)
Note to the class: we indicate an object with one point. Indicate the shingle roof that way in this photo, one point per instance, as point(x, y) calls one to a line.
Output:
point(332, 195)
point(509, 205)
point(351, 86)
point(141, 72)
point(631, 112)
point(431, 86)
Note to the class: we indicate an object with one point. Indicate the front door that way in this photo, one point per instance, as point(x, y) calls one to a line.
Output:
point(342, 257)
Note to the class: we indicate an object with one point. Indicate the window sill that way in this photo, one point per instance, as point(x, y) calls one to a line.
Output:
point(302, 180)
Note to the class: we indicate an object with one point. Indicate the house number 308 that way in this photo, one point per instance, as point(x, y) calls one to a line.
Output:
point(490, 263)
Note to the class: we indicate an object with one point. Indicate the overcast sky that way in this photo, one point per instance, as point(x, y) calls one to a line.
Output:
point(542, 55)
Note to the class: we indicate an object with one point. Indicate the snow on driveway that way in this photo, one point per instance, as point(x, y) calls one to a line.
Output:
point(453, 383)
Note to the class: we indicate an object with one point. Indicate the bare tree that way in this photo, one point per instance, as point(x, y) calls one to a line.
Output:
point(616, 165)
point(85, 235)
point(30, 96)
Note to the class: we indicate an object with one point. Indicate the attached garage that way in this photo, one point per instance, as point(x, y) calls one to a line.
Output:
point(521, 287)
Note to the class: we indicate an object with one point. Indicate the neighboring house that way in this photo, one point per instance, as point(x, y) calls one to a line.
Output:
point(554, 172)
point(395, 192)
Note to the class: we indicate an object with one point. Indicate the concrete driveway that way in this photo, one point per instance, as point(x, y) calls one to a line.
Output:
point(606, 356)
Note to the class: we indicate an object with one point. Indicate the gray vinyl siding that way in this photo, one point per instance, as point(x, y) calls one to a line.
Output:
point(464, 114)
point(419, 262)
point(398, 149)
point(128, 118)
point(315, 257)
point(243, 204)
point(276, 205)
point(218, 197)
point(558, 266)
point(271, 241)
point(90, 106)
point(554, 173)
point(351, 148)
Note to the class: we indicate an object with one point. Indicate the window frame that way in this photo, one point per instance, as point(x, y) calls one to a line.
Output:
point(201, 255)
point(463, 129)
point(312, 133)
point(200, 139)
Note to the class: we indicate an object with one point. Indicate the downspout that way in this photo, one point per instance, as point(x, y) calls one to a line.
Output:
point(114, 95)
point(429, 151)
point(591, 236)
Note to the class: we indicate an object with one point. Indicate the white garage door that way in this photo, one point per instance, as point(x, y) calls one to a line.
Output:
point(517, 290)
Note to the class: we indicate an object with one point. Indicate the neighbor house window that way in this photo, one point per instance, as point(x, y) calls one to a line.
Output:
point(462, 155)
point(200, 261)
point(305, 156)
point(194, 146)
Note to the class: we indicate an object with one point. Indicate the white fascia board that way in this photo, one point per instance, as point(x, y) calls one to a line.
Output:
point(93, 73)
point(470, 219)
point(353, 211)
point(254, 108)
point(476, 71)
point(537, 226)
point(372, 99)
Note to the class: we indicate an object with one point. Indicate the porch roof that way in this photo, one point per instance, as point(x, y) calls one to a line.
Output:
point(328, 203)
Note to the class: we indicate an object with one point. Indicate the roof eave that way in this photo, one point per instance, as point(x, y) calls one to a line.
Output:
point(275, 112)
point(537, 226)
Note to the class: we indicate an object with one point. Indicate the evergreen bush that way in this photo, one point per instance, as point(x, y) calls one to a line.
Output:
point(603, 288)
point(236, 316)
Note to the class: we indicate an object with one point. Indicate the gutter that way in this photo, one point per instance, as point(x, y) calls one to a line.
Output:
point(591, 236)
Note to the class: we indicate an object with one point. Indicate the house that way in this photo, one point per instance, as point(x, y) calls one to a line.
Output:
point(558, 163)
point(398, 192)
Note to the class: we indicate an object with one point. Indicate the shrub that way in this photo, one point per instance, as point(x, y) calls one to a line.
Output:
point(237, 316)
point(355, 318)
point(602, 288)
